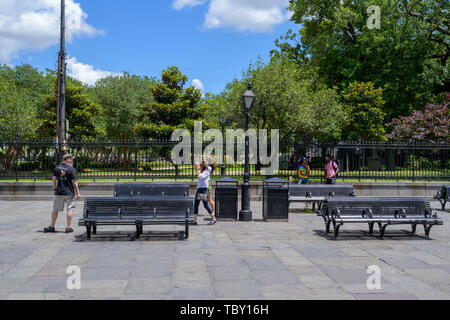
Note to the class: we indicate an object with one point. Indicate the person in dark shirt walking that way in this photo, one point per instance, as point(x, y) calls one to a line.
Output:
point(67, 192)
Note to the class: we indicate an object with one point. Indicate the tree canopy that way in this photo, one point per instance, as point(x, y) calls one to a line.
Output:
point(428, 125)
point(22, 91)
point(81, 113)
point(363, 104)
point(407, 57)
point(121, 99)
point(288, 98)
point(174, 107)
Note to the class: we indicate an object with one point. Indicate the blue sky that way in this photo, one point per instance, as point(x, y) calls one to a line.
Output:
point(210, 40)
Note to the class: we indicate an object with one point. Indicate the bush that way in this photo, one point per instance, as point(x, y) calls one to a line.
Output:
point(27, 166)
point(82, 163)
point(421, 163)
point(46, 163)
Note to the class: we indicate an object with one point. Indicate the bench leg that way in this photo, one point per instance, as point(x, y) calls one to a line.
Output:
point(443, 204)
point(138, 231)
point(88, 232)
point(382, 231)
point(427, 230)
point(414, 228)
point(336, 230)
point(186, 231)
point(371, 225)
point(327, 226)
point(314, 206)
point(94, 229)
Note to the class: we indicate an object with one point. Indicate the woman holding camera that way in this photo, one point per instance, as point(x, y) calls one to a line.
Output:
point(204, 171)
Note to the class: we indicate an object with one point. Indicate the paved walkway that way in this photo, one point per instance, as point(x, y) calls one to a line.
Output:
point(255, 260)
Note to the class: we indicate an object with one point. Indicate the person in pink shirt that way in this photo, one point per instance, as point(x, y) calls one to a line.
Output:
point(331, 170)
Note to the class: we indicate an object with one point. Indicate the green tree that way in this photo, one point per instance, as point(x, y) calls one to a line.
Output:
point(407, 57)
point(364, 104)
point(80, 112)
point(216, 106)
point(121, 99)
point(17, 119)
point(290, 99)
point(174, 107)
point(17, 113)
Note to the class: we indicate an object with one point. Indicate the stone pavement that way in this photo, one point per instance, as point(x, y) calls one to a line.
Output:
point(231, 260)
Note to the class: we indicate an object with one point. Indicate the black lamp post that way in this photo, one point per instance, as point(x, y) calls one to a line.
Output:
point(246, 214)
point(223, 122)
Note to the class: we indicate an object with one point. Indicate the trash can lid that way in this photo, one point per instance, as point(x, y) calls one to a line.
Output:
point(276, 180)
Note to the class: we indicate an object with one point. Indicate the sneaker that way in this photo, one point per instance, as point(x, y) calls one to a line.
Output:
point(49, 230)
point(69, 230)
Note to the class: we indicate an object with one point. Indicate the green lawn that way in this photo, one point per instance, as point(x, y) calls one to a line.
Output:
point(186, 173)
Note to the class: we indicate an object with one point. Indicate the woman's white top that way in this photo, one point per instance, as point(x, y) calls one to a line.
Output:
point(204, 178)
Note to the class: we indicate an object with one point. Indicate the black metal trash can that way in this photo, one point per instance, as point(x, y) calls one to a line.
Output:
point(227, 199)
point(276, 200)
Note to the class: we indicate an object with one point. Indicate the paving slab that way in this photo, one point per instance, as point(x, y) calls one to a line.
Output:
point(231, 260)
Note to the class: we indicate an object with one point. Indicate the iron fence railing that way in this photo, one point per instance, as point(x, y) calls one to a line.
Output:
point(134, 160)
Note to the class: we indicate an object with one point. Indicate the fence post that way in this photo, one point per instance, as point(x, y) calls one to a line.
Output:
point(193, 159)
point(16, 157)
point(413, 162)
point(135, 158)
point(360, 156)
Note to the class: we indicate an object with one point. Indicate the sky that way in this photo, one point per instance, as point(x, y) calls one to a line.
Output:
point(211, 41)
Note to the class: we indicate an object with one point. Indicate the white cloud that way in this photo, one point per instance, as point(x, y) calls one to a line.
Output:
point(249, 15)
point(181, 4)
point(86, 73)
point(33, 25)
point(198, 84)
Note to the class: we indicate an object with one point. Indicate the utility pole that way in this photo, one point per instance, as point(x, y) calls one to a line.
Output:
point(61, 97)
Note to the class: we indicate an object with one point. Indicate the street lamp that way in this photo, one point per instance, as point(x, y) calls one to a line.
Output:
point(223, 122)
point(246, 214)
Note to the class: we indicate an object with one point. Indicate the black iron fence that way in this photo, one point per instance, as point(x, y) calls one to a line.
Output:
point(134, 160)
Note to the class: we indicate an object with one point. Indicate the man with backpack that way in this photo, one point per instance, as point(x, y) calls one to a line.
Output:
point(331, 170)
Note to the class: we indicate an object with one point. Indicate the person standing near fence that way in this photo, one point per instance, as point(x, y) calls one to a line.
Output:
point(303, 171)
point(66, 191)
point(204, 176)
point(331, 170)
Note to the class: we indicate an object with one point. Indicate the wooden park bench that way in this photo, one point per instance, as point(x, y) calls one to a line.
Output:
point(156, 189)
point(443, 196)
point(381, 211)
point(317, 193)
point(137, 211)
